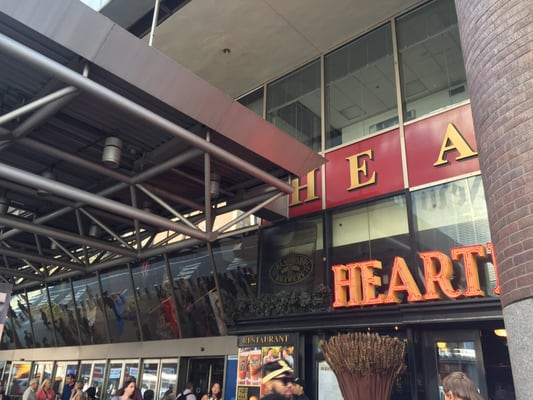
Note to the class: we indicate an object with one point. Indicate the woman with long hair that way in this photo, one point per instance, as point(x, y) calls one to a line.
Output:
point(46, 392)
point(126, 391)
point(214, 394)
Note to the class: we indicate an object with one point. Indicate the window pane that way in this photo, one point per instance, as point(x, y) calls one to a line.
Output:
point(156, 303)
point(454, 215)
point(120, 307)
point(431, 62)
point(193, 281)
point(293, 104)
point(87, 295)
point(360, 88)
point(61, 299)
point(254, 101)
point(378, 231)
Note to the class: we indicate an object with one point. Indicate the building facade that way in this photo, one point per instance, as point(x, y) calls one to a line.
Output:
point(391, 235)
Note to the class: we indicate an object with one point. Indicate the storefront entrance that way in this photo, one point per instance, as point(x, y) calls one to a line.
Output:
point(481, 353)
point(202, 372)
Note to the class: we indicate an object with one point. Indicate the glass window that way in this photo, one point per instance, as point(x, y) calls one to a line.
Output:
point(20, 375)
point(97, 382)
point(378, 231)
point(169, 377)
point(149, 376)
point(119, 301)
point(254, 101)
point(292, 256)
point(62, 301)
point(431, 63)
point(293, 104)
point(89, 300)
point(22, 329)
point(453, 215)
point(360, 88)
point(156, 303)
point(193, 284)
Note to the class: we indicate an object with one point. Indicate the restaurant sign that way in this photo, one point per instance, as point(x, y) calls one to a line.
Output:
point(356, 284)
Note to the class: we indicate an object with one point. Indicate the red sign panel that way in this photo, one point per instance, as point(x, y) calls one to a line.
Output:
point(364, 170)
point(441, 147)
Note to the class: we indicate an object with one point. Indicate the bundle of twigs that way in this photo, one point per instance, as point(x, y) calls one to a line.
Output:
point(366, 365)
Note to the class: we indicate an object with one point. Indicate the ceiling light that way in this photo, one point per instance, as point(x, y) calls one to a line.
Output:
point(226, 50)
point(214, 186)
point(500, 332)
point(112, 152)
point(94, 230)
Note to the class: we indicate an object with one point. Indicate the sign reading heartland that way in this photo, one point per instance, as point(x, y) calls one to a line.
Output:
point(355, 284)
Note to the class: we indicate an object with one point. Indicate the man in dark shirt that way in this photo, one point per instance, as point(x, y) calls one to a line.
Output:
point(277, 376)
point(297, 388)
point(70, 380)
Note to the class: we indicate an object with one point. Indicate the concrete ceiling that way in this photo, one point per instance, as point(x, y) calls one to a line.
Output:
point(266, 38)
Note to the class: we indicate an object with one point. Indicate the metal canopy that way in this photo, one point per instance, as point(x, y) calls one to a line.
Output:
point(70, 79)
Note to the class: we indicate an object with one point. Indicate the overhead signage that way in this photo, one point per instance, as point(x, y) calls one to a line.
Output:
point(436, 148)
point(356, 284)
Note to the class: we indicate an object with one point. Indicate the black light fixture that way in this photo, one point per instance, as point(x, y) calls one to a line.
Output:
point(48, 174)
point(214, 185)
point(112, 152)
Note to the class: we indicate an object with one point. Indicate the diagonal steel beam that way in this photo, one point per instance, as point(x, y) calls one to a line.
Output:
point(32, 180)
point(40, 259)
point(62, 235)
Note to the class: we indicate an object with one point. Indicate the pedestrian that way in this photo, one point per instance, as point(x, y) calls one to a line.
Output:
point(277, 376)
point(214, 394)
point(70, 380)
point(30, 392)
point(77, 392)
point(126, 391)
point(3, 395)
point(148, 394)
point(297, 389)
point(46, 392)
point(458, 386)
point(187, 393)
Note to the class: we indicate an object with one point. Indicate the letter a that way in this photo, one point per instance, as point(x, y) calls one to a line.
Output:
point(453, 140)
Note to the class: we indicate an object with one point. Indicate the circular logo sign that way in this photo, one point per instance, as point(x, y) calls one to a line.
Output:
point(291, 269)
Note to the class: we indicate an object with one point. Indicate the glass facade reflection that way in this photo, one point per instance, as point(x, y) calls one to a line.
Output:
point(119, 303)
point(432, 72)
point(156, 304)
point(89, 300)
point(61, 299)
point(293, 104)
point(360, 88)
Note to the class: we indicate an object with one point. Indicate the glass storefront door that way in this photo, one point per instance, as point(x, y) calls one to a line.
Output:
point(449, 351)
point(203, 372)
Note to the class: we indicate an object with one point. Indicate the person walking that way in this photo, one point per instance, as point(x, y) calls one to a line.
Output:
point(458, 386)
point(30, 392)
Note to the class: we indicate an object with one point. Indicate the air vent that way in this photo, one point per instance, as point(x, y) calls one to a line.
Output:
point(456, 90)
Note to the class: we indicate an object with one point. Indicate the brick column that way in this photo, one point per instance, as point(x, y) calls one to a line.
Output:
point(497, 41)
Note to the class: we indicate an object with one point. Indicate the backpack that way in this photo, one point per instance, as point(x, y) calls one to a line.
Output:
point(182, 396)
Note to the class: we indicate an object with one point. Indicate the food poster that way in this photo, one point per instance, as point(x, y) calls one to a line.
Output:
point(254, 352)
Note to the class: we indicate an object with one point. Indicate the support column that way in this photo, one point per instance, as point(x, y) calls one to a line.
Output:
point(497, 41)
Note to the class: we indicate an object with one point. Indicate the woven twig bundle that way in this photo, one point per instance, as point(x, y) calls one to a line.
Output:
point(366, 365)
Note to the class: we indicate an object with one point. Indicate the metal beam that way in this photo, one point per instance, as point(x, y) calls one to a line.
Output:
point(70, 192)
point(26, 54)
point(183, 158)
point(39, 259)
point(62, 235)
point(21, 274)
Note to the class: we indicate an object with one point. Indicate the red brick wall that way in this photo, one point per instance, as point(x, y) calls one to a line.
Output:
point(497, 40)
